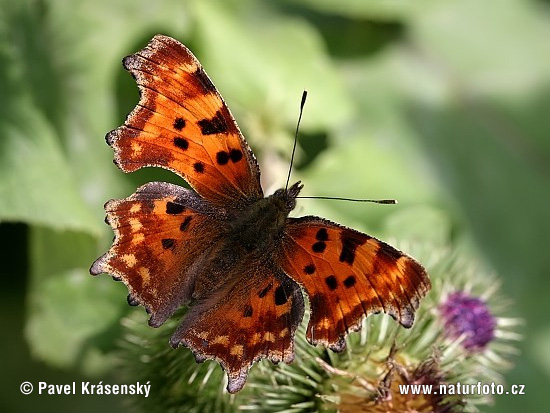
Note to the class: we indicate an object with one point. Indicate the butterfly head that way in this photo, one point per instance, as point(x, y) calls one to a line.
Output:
point(288, 195)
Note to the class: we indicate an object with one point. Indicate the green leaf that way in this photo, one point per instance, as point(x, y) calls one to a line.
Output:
point(73, 318)
point(269, 70)
point(37, 185)
point(485, 47)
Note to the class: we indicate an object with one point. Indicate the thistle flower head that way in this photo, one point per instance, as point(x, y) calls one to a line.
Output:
point(467, 316)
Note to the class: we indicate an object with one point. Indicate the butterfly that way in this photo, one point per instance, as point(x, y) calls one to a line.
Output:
point(233, 256)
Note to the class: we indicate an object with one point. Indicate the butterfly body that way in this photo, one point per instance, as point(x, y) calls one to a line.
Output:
point(247, 237)
point(233, 256)
point(258, 227)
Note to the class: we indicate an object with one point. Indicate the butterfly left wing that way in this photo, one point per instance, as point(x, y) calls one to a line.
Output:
point(348, 275)
point(181, 123)
point(254, 317)
point(161, 231)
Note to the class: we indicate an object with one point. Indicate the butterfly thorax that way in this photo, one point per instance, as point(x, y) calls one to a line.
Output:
point(257, 227)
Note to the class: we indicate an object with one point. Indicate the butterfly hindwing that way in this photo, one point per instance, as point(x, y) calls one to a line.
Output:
point(182, 124)
point(254, 317)
point(160, 231)
point(348, 275)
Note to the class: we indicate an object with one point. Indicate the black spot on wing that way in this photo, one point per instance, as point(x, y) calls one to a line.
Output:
point(350, 241)
point(213, 126)
point(222, 158)
point(350, 281)
point(236, 155)
point(319, 246)
point(173, 208)
point(322, 235)
point(185, 224)
point(247, 311)
point(309, 269)
point(198, 167)
point(331, 282)
point(168, 243)
point(280, 296)
point(179, 123)
point(264, 292)
point(181, 143)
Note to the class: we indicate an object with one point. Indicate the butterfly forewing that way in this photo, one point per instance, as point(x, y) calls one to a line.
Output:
point(182, 123)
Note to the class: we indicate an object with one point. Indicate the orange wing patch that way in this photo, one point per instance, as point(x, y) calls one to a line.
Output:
point(182, 124)
point(349, 275)
point(158, 234)
point(255, 318)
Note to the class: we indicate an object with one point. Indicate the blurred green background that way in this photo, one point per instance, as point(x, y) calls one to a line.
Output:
point(444, 105)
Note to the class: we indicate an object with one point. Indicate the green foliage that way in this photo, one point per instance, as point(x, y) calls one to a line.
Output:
point(442, 105)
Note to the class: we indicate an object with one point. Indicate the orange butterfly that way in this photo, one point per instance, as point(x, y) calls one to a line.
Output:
point(234, 257)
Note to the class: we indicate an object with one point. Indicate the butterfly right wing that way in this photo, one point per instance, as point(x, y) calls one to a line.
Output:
point(347, 276)
point(161, 231)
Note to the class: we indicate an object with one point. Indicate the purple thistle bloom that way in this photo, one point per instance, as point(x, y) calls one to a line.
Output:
point(464, 314)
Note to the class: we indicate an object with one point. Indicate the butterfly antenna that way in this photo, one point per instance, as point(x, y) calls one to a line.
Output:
point(302, 103)
point(374, 201)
